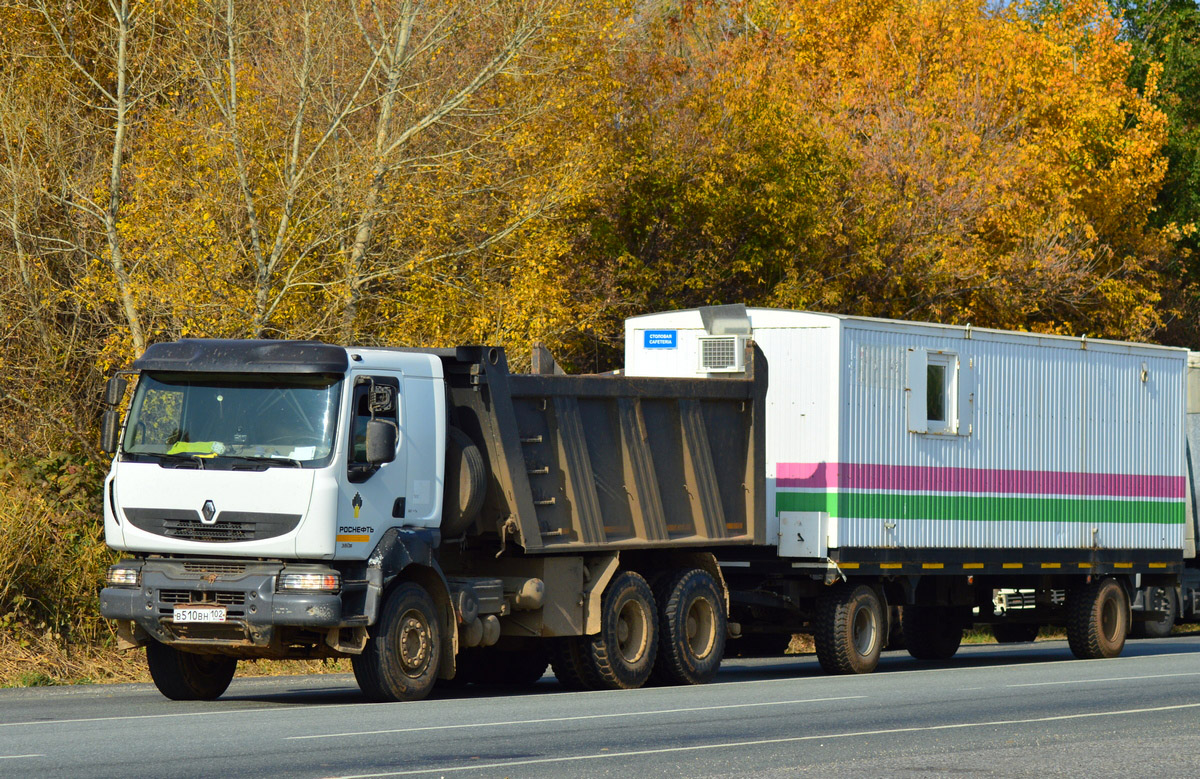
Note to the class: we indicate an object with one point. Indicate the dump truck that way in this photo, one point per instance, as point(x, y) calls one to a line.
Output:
point(429, 514)
point(439, 519)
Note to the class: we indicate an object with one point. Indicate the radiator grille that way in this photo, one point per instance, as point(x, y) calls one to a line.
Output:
point(214, 567)
point(221, 598)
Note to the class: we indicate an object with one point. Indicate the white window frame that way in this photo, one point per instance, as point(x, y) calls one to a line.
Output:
point(959, 395)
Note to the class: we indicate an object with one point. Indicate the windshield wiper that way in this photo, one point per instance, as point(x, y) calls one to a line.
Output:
point(251, 458)
point(180, 458)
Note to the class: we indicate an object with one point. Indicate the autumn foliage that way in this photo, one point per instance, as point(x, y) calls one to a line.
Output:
point(503, 172)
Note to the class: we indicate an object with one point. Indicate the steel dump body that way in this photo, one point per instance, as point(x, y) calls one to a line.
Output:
point(607, 462)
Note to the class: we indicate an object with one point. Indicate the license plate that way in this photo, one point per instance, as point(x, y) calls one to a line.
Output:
point(199, 613)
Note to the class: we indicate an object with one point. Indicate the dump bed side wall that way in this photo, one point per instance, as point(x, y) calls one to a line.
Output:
point(612, 462)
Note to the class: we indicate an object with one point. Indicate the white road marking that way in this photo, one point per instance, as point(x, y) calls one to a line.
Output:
point(1110, 679)
point(569, 719)
point(762, 742)
point(18, 757)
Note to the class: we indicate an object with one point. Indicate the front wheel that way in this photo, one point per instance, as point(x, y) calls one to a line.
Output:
point(184, 676)
point(1097, 619)
point(849, 629)
point(400, 661)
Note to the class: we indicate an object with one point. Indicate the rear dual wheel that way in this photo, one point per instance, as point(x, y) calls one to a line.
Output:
point(932, 632)
point(691, 617)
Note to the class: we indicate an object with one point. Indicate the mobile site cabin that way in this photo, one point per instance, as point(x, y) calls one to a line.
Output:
point(925, 466)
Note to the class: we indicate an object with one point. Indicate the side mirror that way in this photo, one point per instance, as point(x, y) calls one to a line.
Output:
point(381, 442)
point(110, 426)
point(114, 391)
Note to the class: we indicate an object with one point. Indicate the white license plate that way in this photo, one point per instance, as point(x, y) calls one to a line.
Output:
point(199, 613)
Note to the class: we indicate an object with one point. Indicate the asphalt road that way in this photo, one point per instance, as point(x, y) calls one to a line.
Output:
point(1024, 710)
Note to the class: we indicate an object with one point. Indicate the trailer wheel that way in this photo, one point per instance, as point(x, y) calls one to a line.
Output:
point(184, 676)
point(849, 629)
point(692, 621)
point(1097, 619)
point(400, 661)
point(1160, 628)
point(931, 632)
point(1015, 632)
point(622, 655)
point(566, 663)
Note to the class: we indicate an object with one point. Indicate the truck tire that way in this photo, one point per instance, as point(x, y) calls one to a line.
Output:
point(566, 663)
point(621, 656)
point(1159, 628)
point(184, 676)
point(1015, 632)
point(400, 661)
point(1097, 619)
point(692, 627)
point(931, 632)
point(849, 629)
point(466, 483)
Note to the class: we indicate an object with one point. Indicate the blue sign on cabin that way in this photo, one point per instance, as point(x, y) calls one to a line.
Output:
point(660, 339)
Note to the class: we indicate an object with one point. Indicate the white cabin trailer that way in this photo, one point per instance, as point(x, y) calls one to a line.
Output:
point(900, 444)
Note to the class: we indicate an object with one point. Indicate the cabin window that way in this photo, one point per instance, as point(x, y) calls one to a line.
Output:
point(933, 393)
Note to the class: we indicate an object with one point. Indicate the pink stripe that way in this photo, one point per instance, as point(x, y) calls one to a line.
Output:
point(979, 480)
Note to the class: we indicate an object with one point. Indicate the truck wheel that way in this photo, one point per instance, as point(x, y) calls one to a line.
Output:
point(1160, 628)
point(566, 662)
point(931, 632)
point(400, 662)
point(1097, 619)
point(622, 655)
point(849, 629)
point(1015, 632)
point(184, 676)
point(691, 618)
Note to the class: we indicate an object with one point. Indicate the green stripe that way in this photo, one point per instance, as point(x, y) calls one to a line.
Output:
point(858, 505)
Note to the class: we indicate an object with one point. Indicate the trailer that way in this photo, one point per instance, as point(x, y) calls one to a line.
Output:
point(926, 467)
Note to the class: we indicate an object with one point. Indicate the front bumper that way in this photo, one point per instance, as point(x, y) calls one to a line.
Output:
point(255, 612)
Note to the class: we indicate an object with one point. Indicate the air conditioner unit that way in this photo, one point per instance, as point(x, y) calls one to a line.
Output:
point(722, 354)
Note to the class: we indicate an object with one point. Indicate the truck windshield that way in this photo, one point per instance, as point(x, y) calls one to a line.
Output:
point(221, 420)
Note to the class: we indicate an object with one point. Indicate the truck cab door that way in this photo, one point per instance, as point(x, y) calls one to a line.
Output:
point(372, 497)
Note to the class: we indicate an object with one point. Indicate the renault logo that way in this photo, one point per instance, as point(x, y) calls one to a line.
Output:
point(208, 514)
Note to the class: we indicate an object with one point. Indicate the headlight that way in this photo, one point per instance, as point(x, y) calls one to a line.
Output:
point(123, 576)
point(324, 582)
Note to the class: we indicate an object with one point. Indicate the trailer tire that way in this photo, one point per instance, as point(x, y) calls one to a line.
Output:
point(692, 627)
point(1015, 632)
point(400, 661)
point(566, 663)
point(931, 632)
point(621, 656)
point(849, 630)
point(1159, 628)
point(185, 676)
point(1097, 619)
point(466, 482)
